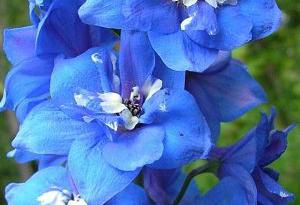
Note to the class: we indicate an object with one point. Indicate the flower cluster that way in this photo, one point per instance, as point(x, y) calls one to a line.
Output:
point(115, 97)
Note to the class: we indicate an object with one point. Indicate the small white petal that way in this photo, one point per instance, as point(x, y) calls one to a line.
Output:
point(130, 120)
point(116, 79)
point(112, 107)
point(96, 58)
point(213, 3)
point(135, 93)
point(55, 197)
point(113, 125)
point(77, 201)
point(186, 22)
point(82, 100)
point(155, 87)
point(188, 3)
point(110, 97)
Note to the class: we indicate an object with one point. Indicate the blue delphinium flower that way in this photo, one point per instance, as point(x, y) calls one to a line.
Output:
point(32, 50)
point(248, 160)
point(54, 186)
point(112, 120)
point(188, 34)
point(225, 91)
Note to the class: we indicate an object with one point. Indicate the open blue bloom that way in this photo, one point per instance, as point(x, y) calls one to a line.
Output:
point(225, 91)
point(248, 159)
point(188, 34)
point(54, 185)
point(164, 185)
point(114, 117)
point(32, 50)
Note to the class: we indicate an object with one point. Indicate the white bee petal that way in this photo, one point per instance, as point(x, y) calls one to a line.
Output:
point(213, 3)
point(155, 87)
point(110, 97)
point(129, 120)
point(56, 197)
point(188, 3)
point(112, 107)
point(186, 22)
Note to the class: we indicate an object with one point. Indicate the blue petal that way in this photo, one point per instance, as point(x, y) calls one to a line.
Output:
point(71, 75)
point(39, 183)
point(263, 25)
point(28, 104)
point(137, 60)
point(271, 190)
point(276, 147)
point(227, 192)
point(44, 161)
point(232, 91)
point(19, 43)
point(249, 149)
point(61, 30)
point(204, 18)
point(95, 179)
point(132, 195)
point(243, 177)
point(141, 15)
point(47, 130)
point(171, 79)
point(28, 79)
point(134, 149)
point(187, 134)
point(164, 185)
point(234, 30)
point(180, 53)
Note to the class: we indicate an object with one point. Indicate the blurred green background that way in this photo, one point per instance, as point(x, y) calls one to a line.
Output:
point(273, 61)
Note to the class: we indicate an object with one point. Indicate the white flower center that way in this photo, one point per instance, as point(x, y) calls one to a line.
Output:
point(59, 197)
point(129, 109)
point(187, 3)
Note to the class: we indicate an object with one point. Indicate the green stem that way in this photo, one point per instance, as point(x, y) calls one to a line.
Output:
point(204, 168)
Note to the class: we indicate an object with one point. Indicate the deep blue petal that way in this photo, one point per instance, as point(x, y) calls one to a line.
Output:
point(134, 149)
point(95, 179)
point(240, 174)
point(249, 149)
point(47, 130)
point(61, 30)
point(19, 43)
point(234, 30)
point(164, 185)
point(187, 134)
point(137, 60)
point(39, 183)
point(232, 91)
point(227, 192)
point(271, 190)
point(263, 25)
point(170, 78)
point(204, 18)
point(132, 195)
point(28, 79)
point(275, 148)
point(141, 15)
point(180, 53)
